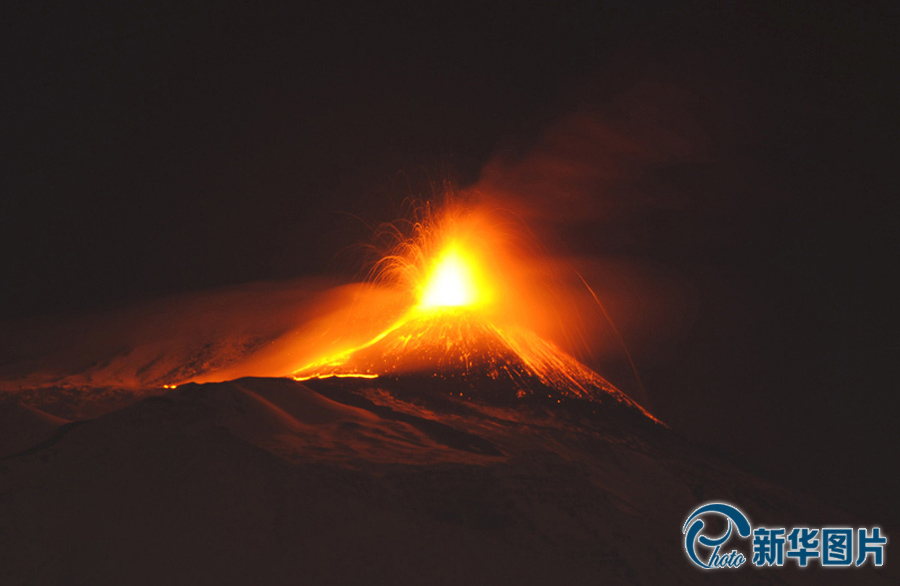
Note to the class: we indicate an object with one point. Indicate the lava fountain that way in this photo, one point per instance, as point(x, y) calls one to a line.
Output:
point(470, 304)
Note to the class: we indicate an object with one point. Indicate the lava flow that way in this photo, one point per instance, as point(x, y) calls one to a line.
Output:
point(465, 319)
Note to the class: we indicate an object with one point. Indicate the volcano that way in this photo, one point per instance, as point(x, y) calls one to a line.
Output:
point(463, 353)
point(456, 332)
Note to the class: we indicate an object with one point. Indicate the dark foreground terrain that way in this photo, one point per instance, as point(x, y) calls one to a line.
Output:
point(355, 481)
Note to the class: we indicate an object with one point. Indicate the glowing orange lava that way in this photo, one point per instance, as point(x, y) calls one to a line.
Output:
point(452, 281)
point(468, 315)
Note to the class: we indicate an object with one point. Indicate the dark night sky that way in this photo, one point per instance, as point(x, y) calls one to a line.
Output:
point(159, 147)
